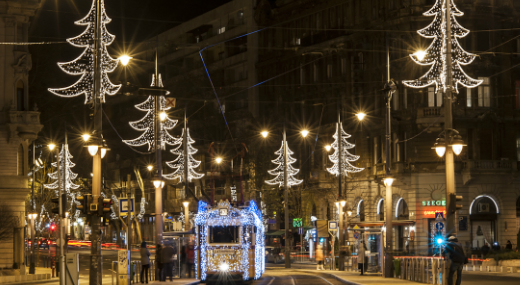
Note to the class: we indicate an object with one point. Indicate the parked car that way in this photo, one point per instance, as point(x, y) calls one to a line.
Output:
point(44, 243)
point(273, 254)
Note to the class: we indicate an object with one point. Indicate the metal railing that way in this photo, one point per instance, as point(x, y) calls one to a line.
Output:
point(423, 269)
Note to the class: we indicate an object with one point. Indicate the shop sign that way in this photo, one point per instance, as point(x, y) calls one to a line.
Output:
point(434, 203)
point(431, 213)
point(297, 223)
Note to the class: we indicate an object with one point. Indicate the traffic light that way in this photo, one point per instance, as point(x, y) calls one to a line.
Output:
point(84, 203)
point(103, 205)
point(53, 227)
point(453, 206)
point(56, 204)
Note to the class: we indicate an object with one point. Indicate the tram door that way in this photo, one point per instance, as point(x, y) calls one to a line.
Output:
point(175, 242)
point(373, 252)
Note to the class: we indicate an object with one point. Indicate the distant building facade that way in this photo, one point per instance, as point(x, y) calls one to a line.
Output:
point(19, 124)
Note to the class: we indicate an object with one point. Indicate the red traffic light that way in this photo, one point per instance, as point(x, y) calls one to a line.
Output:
point(53, 227)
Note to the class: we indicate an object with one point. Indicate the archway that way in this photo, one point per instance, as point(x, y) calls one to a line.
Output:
point(483, 212)
point(381, 209)
point(401, 210)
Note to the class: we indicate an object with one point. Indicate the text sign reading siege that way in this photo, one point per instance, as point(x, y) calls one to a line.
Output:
point(434, 203)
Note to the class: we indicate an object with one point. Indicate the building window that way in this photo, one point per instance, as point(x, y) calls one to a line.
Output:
point(20, 96)
point(484, 95)
point(468, 98)
point(221, 30)
point(431, 96)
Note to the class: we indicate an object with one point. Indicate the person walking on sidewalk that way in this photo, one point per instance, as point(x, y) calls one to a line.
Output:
point(457, 258)
point(145, 262)
point(361, 256)
point(319, 258)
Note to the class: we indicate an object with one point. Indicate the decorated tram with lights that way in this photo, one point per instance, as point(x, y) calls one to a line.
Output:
point(230, 243)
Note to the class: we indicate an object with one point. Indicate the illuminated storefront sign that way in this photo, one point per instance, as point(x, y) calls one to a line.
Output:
point(431, 212)
point(434, 203)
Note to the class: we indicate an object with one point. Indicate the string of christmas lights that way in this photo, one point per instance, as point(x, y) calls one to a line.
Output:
point(178, 163)
point(346, 156)
point(147, 123)
point(436, 52)
point(278, 171)
point(84, 64)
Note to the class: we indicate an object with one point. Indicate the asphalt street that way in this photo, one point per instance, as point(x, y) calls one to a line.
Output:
point(279, 277)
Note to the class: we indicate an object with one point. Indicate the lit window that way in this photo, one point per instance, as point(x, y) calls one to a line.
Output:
point(221, 30)
point(431, 96)
point(468, 98)
point(484, 95)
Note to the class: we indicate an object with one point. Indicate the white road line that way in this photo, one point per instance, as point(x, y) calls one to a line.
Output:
point(292, 280)
point(271, 281)
point(325, 280)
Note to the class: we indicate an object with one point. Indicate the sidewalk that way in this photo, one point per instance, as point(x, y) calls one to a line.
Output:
point(188, 281)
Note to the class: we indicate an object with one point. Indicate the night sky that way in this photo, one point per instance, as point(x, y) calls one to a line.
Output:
point(133, 21)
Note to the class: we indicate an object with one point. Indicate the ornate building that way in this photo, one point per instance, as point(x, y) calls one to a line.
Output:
point(330, 51)
point(19, 124)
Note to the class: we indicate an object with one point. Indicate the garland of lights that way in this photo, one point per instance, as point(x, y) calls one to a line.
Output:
point(278, 171)
point(346, 156)
point(238, 260)
point(178, 163)
point(436, 52)
point(147, 123)
point(65, 171)
point(84, 64)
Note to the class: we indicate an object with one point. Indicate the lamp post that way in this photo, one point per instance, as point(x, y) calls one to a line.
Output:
point(287, 253)
point(32, 216)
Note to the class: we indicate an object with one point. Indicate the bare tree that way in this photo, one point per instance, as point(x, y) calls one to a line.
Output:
point(7, 223)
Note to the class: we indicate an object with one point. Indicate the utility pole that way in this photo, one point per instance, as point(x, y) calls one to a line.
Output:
point(340, 176)
point(158, 147)
point(448, 126)
point(388, 90)
point(129, 225)
point(32, 269)
point(96, 259)
point(286, 201)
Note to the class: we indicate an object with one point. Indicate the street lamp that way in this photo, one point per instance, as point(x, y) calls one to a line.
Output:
point(149, 167)
point(32, 216)
point(454, 141)
point(388, 181)
point(420, 55)
point(186, 203)
point(218, 160)
point(85, 137)
point(360, 116)
point(327, 148)
point(264, 133)
point(163, 116)
point(304, 133)
point(125, 59)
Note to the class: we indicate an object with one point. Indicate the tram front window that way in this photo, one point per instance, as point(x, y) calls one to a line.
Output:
point(224, 234)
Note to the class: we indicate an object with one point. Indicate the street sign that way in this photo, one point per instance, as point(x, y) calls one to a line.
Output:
point(439, 216)
point(439, 226)
point(356, 235)
point(170, 102)
point(300, 231)
point(297, 222)
point(356, 227)
point(333, 226)
point(124, 206)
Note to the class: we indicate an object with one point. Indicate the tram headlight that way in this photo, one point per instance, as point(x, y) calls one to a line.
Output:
point(224, 267)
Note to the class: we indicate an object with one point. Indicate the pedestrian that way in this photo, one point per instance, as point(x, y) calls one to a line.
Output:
point(191, 258)
point(158, 264)
point(509, 245)
point(457, 258)
point(361, 256)
point(319, 258)
point(167, 261)
point(145, 262)
point(484, 250)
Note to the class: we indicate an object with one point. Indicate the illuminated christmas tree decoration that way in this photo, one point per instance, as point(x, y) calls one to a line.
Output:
point(84, 64)
point(66, 173)
point(436, 52)
point(178, 163)
point(278, 171)
point(346, 156)
point(147, 123)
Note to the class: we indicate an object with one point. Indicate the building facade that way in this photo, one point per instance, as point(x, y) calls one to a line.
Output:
point(335, 51)
point(19, 126)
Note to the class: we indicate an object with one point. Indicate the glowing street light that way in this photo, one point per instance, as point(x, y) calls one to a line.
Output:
point(149, 167)
point(163, 116)
point(327, 148)
point(264, 133)
point(360, 116)
point(51, 146)
point(218, 160)
point(305, 133)
point(85, 137)
point(124, 59)
point(420, 55)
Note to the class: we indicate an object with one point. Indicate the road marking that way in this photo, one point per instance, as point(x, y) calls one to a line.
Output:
point(292, 280)
point(325, 280)
point(271, 281)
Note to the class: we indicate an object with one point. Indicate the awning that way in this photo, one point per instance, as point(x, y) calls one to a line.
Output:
point(381, 223)
point(277, 233)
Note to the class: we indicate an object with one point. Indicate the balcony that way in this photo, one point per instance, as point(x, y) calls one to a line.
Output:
point(476, 168)
point(23, 124)
point(429, 116)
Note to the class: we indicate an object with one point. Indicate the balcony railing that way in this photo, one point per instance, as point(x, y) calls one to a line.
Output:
point(490, 165)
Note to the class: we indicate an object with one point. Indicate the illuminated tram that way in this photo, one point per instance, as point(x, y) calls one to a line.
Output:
point(230, 243)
